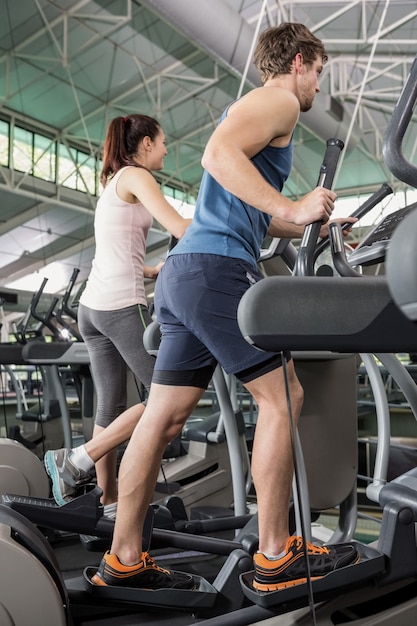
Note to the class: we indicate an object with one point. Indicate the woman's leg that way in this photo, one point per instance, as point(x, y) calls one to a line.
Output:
point(124, 329)
point(108, 371)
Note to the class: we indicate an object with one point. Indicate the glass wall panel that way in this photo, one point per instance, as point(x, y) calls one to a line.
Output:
point(4, 143)
point(44, 158)
point(22, 150)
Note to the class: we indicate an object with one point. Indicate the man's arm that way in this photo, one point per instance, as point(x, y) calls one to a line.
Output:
point(265, 116)
point(285, 230)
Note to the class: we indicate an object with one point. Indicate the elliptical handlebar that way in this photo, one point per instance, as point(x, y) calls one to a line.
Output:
point(304, 262)
point(65, 298)
point(37, 296)
point(392, 151)
point(44, 318)
point(338, 251)
point(381, 193)
point(64, 307)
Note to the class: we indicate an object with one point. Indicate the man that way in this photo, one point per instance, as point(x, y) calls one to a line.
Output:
point(246, 162)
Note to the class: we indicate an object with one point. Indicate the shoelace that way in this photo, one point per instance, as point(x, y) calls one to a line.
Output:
point(148, 561)
point(311, 547)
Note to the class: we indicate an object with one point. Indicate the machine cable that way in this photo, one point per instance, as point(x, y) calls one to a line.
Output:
point(297, 484)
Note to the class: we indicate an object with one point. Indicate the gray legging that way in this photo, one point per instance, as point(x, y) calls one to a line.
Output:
point(114, 339)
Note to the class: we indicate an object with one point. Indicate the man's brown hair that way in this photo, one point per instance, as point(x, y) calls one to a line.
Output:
point(277, 47)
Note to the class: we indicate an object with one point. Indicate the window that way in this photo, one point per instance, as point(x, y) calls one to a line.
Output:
point(4, 143)
point(76, 169)
point(44, 152)
point(54, 161)
point(22, 150)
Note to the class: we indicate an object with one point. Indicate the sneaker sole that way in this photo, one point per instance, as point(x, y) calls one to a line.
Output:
point(98, 581)
point(293, 583)
point(284, 585)
point(51, 470)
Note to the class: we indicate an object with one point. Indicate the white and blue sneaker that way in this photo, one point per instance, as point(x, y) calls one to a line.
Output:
point(66, 477)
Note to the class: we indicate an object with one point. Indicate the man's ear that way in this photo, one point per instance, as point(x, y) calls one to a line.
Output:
point(298, 63)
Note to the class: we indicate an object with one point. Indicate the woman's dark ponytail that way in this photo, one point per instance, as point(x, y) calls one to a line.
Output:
point(122, 140)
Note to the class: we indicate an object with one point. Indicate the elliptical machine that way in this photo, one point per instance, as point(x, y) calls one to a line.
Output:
point(224, 596)
point(374, 324)
point(379, 566)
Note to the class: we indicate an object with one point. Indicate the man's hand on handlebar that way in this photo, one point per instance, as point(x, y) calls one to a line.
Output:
point(324, 230)
point(315, 206)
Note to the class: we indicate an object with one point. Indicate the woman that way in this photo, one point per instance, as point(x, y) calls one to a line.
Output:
point(113, 312)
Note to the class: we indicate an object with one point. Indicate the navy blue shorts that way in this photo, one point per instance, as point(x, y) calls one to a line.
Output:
point(196, 301)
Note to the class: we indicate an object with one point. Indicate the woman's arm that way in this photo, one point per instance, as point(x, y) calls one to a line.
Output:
point(152, 271)
point(140, 184)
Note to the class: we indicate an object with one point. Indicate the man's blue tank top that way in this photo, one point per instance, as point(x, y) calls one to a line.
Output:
point(226, 226)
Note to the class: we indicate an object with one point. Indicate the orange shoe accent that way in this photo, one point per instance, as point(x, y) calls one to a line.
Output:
point(289, 570)
point(144, 575)
point(284, 585)
point(98, 581)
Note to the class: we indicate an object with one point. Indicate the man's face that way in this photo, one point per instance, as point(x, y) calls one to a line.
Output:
point(309, 84)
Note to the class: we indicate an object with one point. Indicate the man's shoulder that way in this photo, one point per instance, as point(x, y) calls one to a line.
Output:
point(266, 99)
point(274, 92)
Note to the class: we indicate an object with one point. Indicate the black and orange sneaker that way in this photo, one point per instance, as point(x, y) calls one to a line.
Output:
point(290, 570)
point(144, 575)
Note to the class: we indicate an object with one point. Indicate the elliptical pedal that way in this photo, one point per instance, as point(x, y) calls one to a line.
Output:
point(84, 514)
point(94, 543)
point(202, 596)
point(371, 564)
point(16, 501)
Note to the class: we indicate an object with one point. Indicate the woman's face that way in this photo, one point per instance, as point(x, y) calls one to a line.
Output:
point(158, 151)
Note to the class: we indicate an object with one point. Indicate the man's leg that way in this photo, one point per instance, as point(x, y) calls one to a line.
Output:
point(167, 410)
point(281, 561)
point(272, 460)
